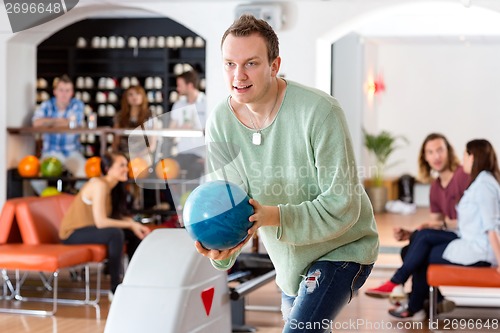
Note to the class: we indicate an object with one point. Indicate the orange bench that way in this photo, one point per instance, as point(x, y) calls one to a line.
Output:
point(38, 221)
point(9, 230)
point(458, 276)
point(9, 233)
point(49, 258)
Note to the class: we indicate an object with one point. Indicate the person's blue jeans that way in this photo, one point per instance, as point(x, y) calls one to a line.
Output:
point(327, 288)
point(426, 248)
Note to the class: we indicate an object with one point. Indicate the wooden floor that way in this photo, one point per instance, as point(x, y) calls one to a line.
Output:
point(363, 314)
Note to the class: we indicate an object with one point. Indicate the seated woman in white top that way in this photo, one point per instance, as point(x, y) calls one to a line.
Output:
point(476, 242)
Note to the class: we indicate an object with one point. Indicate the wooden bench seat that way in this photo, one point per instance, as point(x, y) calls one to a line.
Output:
point(458, 276)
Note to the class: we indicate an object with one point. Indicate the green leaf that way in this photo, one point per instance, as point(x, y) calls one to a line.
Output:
point(382, 145)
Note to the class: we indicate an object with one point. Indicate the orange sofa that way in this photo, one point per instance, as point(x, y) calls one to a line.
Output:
point(9, 230)
point(458, 276)
point(38, 220)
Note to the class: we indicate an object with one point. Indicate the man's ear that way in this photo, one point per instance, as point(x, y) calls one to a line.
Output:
point(275, 66)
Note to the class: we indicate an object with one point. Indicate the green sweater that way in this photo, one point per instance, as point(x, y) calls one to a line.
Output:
point(305, 165)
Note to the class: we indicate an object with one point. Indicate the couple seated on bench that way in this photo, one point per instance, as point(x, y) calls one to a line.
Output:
point(475, 241)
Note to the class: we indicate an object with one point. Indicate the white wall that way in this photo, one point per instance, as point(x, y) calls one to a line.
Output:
point(451, 88)
point(5, 34)
point(347, 78)
point(370, 104)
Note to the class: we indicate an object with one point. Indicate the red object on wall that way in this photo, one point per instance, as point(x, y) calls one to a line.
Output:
point(376, 85)
point(379, 85)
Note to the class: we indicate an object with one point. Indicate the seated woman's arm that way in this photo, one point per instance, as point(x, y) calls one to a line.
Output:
point(495, 244)
point(439, 221)
point(96, 192)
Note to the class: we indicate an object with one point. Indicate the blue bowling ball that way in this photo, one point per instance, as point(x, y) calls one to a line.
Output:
point(216, 214)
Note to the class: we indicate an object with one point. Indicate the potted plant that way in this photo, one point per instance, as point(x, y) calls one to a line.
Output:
point(381, 146)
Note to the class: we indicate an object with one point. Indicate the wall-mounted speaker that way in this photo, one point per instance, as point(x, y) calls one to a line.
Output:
point(271, 13)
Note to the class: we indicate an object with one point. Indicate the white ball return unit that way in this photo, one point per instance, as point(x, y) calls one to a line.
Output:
point(170, 288)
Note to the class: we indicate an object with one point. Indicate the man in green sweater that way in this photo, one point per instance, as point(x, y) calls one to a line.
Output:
point(289, 147)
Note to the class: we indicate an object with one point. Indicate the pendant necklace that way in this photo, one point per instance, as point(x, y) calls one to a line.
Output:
point(257, 135)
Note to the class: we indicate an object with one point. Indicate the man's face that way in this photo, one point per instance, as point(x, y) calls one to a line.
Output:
point(436, 154)
point(182, 87)
point(63, 92)
point(247, 71)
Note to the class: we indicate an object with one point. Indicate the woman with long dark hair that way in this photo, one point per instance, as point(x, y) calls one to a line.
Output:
point(99, 215)
point(134, 112)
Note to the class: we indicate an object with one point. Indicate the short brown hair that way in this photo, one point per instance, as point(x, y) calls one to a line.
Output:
point(63, 78)
point(248, 25)
point(189, 77)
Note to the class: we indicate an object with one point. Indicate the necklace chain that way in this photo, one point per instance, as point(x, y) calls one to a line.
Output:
point(258, 130)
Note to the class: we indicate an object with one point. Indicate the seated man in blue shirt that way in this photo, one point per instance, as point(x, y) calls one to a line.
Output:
point(60, 111)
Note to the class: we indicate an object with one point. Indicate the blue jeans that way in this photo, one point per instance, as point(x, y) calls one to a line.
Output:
point(327, 288)
point(427, 247)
